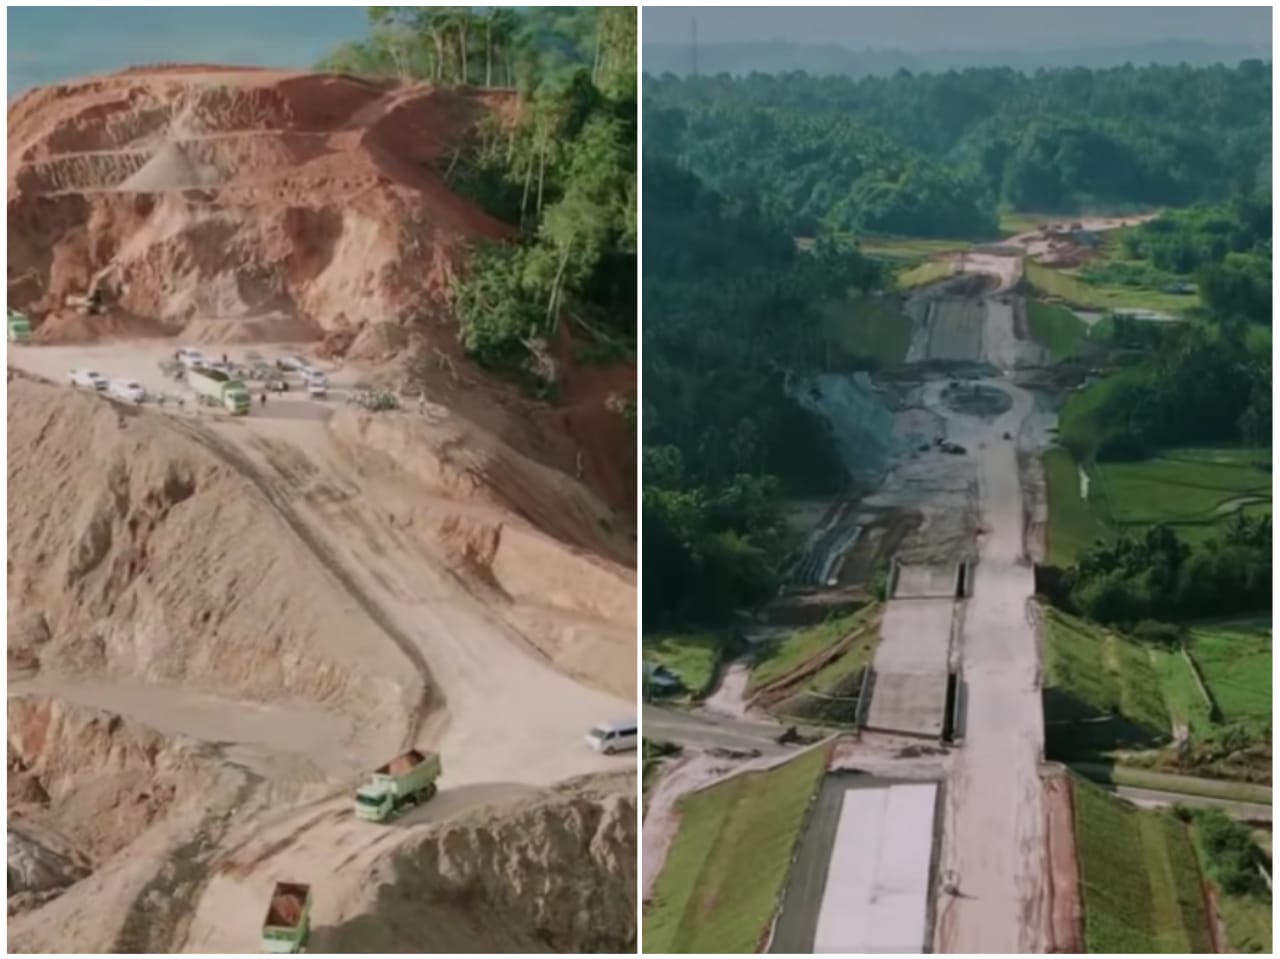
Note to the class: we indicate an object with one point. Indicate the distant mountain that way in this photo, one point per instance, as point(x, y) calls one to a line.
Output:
point(784, 57)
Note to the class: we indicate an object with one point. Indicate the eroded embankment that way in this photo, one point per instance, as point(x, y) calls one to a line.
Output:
point(109, 824)
point(554, 874)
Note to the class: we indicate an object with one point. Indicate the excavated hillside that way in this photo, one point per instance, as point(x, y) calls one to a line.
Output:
point(140, 561)
point(219, 626)
point(304, 202)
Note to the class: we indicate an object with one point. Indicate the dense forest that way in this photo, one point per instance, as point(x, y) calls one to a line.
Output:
point(938, 154)
point(564, 171)
point(730, 320)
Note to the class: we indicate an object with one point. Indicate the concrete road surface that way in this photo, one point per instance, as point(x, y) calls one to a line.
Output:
point(711, 732)
point(1154, 798)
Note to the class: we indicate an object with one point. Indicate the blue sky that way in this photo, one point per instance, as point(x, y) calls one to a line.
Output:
point(50, 44)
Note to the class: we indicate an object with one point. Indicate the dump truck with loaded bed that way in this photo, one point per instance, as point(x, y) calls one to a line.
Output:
point(288, 919)
point(219, 389)
point(404, 782)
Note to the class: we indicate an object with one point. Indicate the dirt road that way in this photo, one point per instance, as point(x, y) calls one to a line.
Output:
point(505, 721)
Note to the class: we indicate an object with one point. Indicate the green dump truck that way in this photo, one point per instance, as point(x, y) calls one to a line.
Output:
point(19, 328)
point(288, 918)
point(404, 782)
point(219, 389)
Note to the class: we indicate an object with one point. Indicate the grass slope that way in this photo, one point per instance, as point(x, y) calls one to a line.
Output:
point(1074, 521)
point(1139, 878)
point(779, 659)
point(1098, 668)
point(873, 326)
point(924, 274)
point(1056, 328)
point(693, 656)
point(719, 887)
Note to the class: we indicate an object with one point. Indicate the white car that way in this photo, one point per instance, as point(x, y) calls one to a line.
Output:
point(88, 379)
point(293, 362)
point(190, 357)
point(615, 737)
point(130, 391)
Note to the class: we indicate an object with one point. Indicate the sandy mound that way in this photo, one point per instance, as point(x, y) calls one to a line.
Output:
point(135, 554)
point(188, 193)
point(556, 874)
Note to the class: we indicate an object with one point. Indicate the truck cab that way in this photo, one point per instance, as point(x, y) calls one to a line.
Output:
point(19, 328)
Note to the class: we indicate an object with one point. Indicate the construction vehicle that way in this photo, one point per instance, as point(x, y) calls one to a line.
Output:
point(404, 782)
point(19, 328)
point(288, 918)
point(216, 388)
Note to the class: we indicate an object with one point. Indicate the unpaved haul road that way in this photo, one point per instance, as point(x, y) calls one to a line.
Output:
point(509, 723)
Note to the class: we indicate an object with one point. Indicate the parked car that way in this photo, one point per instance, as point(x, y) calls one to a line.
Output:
point(293, 363)
point(130, 391)
point(189, 356)
point(88, 379)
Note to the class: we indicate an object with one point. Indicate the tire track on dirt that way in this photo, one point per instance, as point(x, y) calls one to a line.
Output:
point(432, 696)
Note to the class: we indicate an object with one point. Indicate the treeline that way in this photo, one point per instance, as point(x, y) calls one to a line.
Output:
point(1159, 577)
point(730, 321)
point(563, 172)
point(491, 47)
point(1053, 141)
point(1192, 385)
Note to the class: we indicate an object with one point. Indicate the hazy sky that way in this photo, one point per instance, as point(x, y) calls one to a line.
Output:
point(961, 28)
point(56, 43)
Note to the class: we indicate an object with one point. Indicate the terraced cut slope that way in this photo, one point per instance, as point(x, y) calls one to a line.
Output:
point(1075, 521)
point(724, 873)
point(1140, 879)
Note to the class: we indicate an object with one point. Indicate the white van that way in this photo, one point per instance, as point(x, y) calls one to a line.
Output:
point(128, 390)
point(615, 737)
point(317, 383)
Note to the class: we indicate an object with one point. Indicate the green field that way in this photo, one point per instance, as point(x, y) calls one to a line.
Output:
point(874, 326)
point(1192, 490)
point(1067, 285)
point(780, 658)
point(1235, 658)
point(1139, 878)
point(1056, 328)
point(720, 884)
point(1074, 522)
point(693, 656)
